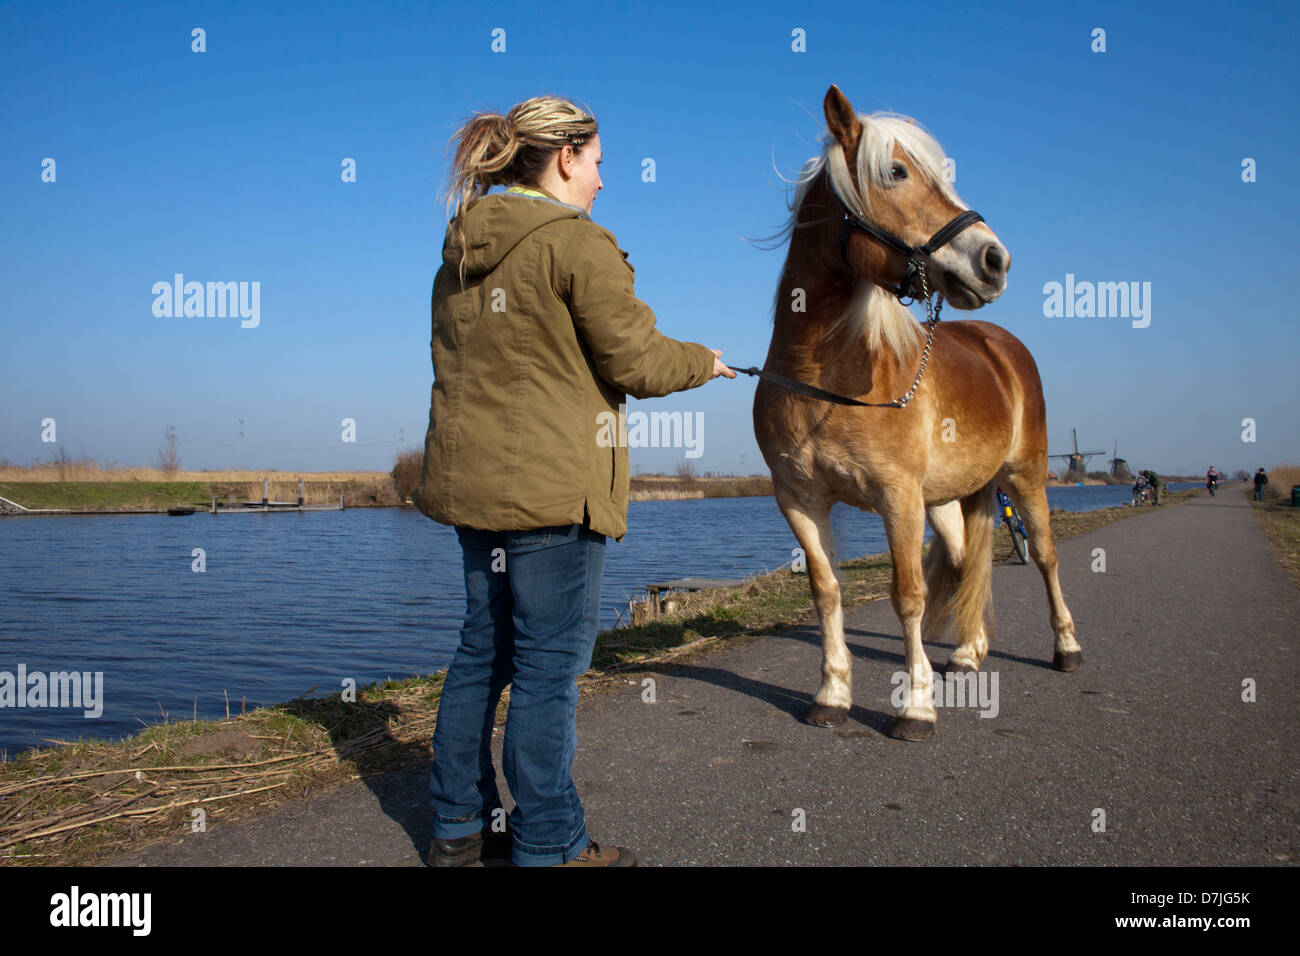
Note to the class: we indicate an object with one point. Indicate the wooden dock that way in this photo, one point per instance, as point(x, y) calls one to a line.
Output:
point(265, 505)
point(655, 604)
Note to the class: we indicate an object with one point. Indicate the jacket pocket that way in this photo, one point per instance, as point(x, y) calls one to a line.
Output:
point(613, 472)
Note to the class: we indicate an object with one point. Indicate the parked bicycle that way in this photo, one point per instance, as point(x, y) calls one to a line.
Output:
point(1015, 527)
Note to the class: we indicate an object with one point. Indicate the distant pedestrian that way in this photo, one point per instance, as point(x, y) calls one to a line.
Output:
point(1157, 486)
point(1261, 480)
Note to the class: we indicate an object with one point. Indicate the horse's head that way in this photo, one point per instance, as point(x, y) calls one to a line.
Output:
point(889, 174)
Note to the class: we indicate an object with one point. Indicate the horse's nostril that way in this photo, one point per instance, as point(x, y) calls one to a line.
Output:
point(996, 261)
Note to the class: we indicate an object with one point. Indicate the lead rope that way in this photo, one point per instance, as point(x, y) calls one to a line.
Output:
point(931, 320)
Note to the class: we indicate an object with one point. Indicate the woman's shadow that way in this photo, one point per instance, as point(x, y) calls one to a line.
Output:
point(395, 771)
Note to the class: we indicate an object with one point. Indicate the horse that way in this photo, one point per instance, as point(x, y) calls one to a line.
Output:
point(973, 419)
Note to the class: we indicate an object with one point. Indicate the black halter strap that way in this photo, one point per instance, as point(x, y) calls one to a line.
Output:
point(916, 260)
point(914, 254)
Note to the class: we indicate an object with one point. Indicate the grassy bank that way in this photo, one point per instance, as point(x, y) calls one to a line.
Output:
point(105, 495)
point(85, 485)
point(659, 487)
point(1280, 522)
point(370, 489)
point(80, 802)
point(359, 490)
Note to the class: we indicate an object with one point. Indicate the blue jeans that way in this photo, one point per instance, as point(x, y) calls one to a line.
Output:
point(532, 613)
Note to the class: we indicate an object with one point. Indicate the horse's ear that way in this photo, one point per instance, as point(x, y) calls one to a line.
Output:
point(840, 118)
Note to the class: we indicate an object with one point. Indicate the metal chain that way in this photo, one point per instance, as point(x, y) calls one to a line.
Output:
point(931, 320)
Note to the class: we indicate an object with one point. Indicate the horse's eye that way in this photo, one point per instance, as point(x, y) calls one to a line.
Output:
point(898, 171)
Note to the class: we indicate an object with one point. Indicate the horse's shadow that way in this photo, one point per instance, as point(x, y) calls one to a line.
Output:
point(795, 704)
point(859, 651)
point(812, 636)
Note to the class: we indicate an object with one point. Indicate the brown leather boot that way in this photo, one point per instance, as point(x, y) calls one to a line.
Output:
point(470, 850)
point(596, 855)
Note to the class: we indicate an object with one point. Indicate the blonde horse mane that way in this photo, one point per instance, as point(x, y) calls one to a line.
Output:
point(872, 313)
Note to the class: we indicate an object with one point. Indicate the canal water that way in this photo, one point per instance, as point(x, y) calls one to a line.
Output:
point(292, 603)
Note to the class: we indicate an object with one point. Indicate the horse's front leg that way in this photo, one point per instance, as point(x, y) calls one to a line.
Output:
point(811, 524)
point(904, 516)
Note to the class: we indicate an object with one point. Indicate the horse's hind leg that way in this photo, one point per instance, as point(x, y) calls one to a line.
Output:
point(945, 565)
point(811, 524)
point(1030, 498)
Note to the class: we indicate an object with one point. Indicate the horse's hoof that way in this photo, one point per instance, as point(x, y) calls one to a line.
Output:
point(1067, 660)
point(955, 668)
point(824, 716)
point(909, 728)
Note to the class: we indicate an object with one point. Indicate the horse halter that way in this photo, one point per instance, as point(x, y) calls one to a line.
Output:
point(916, 256)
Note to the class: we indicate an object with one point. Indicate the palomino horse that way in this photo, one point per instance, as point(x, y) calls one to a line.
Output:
point(976, 420)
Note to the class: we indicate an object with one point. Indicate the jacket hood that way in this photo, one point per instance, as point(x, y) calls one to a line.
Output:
point(497, 223)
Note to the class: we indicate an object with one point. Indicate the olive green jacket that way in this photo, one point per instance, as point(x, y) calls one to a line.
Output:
point(546, 335)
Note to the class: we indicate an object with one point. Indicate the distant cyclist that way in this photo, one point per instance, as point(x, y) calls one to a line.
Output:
point(1212, 479)
point(1140, 488)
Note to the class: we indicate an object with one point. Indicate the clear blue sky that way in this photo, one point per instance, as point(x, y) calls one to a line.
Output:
point(225, 165)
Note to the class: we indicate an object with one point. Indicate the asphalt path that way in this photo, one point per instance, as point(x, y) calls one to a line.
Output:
point(1146, 756)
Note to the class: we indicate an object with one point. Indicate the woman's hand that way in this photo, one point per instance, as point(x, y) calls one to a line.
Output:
point(719, 368)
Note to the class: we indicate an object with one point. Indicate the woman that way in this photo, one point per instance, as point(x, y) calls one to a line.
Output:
point(536, 333)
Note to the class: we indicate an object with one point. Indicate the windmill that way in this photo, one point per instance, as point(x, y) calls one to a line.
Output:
point(1077, 461)
point(1118, 466)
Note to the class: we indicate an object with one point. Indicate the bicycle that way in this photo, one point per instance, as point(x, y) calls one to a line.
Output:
point(1015, 527)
